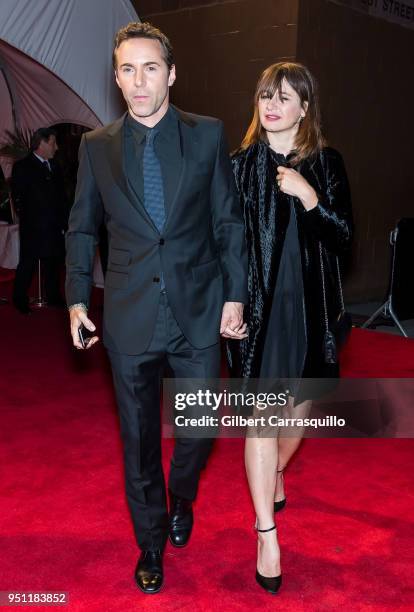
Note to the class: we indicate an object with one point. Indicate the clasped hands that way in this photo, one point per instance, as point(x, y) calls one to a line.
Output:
point(232, 325)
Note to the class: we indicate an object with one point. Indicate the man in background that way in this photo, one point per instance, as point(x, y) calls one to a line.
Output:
point(40, 201)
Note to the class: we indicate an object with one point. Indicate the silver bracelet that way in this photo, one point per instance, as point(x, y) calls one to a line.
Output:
point(79, 305)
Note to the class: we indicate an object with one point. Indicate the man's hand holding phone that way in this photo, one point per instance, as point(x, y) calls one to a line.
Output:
point(81, 328)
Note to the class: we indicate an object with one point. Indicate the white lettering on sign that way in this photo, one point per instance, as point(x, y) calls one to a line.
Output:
point(401, 13)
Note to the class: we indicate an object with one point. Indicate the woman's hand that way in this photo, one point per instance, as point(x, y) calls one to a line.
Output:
point(292, 183)
point(232, 325)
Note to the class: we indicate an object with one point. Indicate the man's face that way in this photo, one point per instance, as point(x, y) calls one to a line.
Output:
point(144, 78)
point(48, 148)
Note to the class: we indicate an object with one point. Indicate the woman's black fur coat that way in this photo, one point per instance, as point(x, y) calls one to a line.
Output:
point(266, 212)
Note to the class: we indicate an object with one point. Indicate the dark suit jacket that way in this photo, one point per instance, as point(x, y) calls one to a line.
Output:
point(201, 251)
point(40, 201)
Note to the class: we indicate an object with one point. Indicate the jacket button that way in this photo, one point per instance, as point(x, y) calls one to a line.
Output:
point(156, 279)
point(161, 241)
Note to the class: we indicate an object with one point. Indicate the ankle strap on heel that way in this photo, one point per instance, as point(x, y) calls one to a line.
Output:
point(265, 530)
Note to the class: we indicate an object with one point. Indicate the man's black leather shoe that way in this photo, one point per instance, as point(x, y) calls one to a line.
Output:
point(23, 308)
point(181, 520)
point(149, 574)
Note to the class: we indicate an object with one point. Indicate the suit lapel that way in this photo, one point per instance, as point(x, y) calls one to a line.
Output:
point(39, 164)
point(117, 165)
point(188, 145)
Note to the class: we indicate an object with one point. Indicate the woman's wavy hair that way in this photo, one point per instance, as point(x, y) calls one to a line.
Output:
point(309, 139)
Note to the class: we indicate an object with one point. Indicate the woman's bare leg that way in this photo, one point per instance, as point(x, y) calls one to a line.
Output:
point(289, 443)
point(261, 459)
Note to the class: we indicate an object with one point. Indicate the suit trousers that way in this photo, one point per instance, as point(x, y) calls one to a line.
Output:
point(137, 381)
point(51, 268)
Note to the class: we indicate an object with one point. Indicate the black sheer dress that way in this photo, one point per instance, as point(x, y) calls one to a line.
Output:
point(285, 344)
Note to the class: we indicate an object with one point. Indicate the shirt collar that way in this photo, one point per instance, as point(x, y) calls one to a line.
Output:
point(41, 158)
point(165, 126)
point(279, 157)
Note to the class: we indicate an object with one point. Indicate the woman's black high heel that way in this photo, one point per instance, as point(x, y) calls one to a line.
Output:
point(271, 585)
point(279, 505)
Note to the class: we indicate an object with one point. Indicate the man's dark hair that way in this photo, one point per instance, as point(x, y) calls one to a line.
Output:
point(39, 135)
point(135, 29)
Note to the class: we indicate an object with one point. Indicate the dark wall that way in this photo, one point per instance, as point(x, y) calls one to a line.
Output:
point(364, 67)
point(220, 50)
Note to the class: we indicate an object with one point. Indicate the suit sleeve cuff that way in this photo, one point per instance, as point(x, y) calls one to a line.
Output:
point(78, 305)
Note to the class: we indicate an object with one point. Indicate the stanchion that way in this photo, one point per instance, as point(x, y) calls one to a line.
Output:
point(38, 301)
point(399, 301)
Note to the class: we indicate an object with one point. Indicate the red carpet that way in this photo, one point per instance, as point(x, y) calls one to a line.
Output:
point(6, 275)
point(346, 533)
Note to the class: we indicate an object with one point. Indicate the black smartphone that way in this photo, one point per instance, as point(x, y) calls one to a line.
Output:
point(84, 335)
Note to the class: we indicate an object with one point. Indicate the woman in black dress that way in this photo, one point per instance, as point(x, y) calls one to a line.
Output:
point(295, 198)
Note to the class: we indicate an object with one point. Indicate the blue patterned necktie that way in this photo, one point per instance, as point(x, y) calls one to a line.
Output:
point(153, 187)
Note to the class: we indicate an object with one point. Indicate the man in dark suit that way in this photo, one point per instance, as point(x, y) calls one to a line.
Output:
point(40, 201)
point(177, 274)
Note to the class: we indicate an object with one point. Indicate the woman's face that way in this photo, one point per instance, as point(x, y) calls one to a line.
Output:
point(282, 112)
